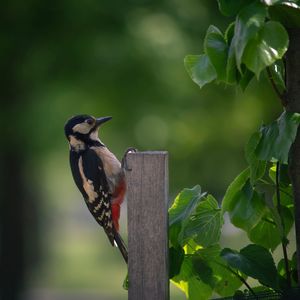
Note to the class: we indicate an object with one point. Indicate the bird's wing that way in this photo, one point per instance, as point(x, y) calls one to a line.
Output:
point(97, 190)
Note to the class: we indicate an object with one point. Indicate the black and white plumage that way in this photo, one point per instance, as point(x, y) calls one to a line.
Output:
point(98, 175)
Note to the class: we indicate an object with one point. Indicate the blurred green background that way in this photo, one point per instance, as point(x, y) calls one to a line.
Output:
point(120, 58)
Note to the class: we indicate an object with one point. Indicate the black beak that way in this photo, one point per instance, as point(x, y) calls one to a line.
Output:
point(102, 120)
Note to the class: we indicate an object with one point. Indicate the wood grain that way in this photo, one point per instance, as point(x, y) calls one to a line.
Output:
point(148, 226)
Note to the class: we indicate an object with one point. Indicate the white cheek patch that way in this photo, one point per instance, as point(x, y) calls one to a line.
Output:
point(94, 135)
point(83, 128)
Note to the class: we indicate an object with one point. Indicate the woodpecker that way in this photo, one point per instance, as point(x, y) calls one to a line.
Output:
point(98, 175)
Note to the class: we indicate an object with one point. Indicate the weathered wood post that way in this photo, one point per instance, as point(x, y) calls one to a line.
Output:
point(148, 226)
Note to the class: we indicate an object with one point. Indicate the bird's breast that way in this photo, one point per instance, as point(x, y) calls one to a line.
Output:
point(111, 165)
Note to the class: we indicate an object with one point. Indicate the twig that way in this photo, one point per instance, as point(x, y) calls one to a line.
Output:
point(233, 272)
point(243, 281)
point(283, 242)
point(239, 277)
point(275, 88)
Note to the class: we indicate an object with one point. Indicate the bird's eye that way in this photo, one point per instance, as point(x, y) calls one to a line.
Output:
point(89, 121)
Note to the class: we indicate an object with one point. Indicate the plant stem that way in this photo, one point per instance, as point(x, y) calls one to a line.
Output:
point(280, 96)
point(238, 276)
point(244, 282)
point(283, 239)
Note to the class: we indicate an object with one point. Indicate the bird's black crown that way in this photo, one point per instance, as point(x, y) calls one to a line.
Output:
point(74, 121)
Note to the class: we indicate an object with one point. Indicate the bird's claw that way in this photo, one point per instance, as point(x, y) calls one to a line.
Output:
point(124, 159)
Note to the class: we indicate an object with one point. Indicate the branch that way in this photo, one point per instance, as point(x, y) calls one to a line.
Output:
point(283, 239)
point(243, 280)
point(275, 88)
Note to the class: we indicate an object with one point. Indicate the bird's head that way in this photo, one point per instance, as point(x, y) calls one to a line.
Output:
point(82, 131)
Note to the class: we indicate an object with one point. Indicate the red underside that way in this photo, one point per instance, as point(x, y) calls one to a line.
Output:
point(117, 199)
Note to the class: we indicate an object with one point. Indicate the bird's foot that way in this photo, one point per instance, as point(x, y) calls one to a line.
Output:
point(124, 159)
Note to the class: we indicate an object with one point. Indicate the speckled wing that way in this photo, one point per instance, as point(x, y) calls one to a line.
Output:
point(96, 190)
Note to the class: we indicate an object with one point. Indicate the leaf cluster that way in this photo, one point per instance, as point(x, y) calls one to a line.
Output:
point(257, 40)
point(198, 264)
point(259, 201)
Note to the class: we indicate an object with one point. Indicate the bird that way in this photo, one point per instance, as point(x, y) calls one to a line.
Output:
point(98, 174)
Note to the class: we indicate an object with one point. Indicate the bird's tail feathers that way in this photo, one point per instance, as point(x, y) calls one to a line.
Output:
point(121, 245)
point(116, 240)
point(111, 236)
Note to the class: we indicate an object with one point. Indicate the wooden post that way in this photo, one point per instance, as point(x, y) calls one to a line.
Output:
point(148, 268)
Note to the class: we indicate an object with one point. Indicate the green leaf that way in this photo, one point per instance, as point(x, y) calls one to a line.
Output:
point(230, 8)
point(234, 188)
point(209, 253)
point(204, 225)
point(184, 204)
point(203, 270)
point(126, 283)
point(257, 167)
point(269, 44)
point(254, 261)
point(288, 220)
point(213, 29)
point(247, 208)
point(197, 289)
point(217, 50)
point(287, 13)
point(267, 233)
point(284, 177)
point(248, 22)
point(245, 79)
point(200, 69)
point(191, 247)
point(176, 256)
point(276, 217)
point(189, 282)
point(229, 32)
point(181, 209)
point(281, 267)
point(294, 263)
point(285, 187)
point(282, 273)
point(278, 75)
point(231, 70)
point(225, 283)
point(287, 198)
point(278, 137)
point(174, 232)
